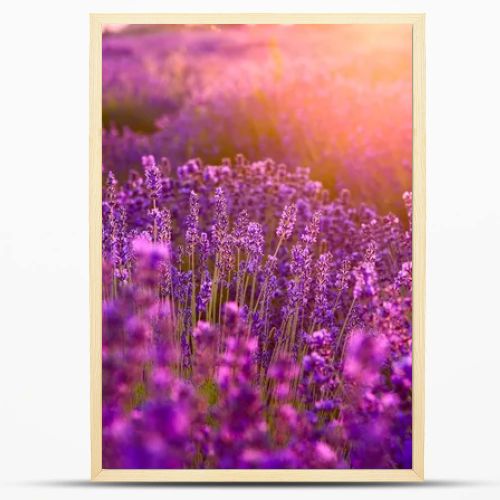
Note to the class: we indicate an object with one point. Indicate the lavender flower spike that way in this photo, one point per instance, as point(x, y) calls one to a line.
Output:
point(287, 222)
point(221, 218)
point(192, 233)
point(254, 245)
point(153, 176)
point(312, 229)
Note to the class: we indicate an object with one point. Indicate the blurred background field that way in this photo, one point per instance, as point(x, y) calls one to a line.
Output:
point(336, 99)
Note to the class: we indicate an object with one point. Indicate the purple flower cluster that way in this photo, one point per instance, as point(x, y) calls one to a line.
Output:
point(250, 321)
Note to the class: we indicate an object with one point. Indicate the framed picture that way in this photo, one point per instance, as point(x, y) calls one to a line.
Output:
point(257, 247)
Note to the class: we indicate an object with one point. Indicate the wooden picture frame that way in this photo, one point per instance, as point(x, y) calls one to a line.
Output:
point(283, 475)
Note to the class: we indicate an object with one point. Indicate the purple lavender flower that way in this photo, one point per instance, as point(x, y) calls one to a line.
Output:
point(287, 222)
point(192, 233)
point(240, 229)
point(342, 277)
point(312, 229)
point(165, 226)
point(365, 356)
point(153, 176)
point(221, 226)
point(321, 298)
point(149, 258)
point(254, 244)
point(204, 250)
point(365, 280)
point(120, 247)
point(205, 293)
point(110, 190)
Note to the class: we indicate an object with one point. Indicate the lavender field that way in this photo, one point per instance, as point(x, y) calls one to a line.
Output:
point(257, 247)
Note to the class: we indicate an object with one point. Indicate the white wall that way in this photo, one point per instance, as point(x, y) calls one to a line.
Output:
point(44, 410)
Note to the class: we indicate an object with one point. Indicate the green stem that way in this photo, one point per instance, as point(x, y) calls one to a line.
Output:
point(278, 246)
point(213, 295)
point(341, 344)
point(193, 290)
point(155, 229)
point(252, 293)
point(237, 274)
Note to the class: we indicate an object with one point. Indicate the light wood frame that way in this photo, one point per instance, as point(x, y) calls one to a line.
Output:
point(283, 475)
